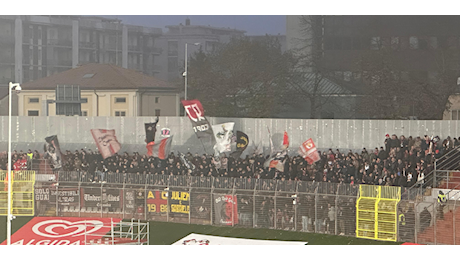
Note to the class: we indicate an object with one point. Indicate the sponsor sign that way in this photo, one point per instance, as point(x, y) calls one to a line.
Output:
point(198, 240)
point(61, 231)
point(66, 196)
point(110, 198)
point(129, 201)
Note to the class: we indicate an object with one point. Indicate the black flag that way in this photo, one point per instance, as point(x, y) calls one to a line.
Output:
point(242, 141)
point(150, 130)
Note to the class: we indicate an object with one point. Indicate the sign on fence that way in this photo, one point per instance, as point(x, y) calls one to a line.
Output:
point(226, 209)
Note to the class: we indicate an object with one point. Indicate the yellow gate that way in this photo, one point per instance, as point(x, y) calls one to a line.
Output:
point(23, 193)
point(376, 212)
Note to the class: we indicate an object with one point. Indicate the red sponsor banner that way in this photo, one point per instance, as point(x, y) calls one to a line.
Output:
point(61, 231)
point(309, 152)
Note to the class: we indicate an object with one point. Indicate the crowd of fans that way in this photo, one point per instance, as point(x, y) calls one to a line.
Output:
point(400, 161)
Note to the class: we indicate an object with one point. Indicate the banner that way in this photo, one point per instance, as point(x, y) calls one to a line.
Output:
point(106, 142)
point(223, 134)
point(157, 201)
point(61, 230)
point(129, 201)
point(226, 209)
point(201, 205)
point(179, 203)
point(276, 161)
point(53, 151)
point(242, 141)
point(195, 112)
point(161, 149)
point(198, 239)
point(186, 162)
point(308, 151)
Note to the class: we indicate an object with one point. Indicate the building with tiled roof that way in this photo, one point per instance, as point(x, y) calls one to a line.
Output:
point(106, 90)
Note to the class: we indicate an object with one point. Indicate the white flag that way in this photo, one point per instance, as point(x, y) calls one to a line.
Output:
point(223, 134)
point(106, 142)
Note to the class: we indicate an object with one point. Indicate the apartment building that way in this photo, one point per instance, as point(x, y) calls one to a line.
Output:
point(172, 42)
point(415, 42)
point(33, 47)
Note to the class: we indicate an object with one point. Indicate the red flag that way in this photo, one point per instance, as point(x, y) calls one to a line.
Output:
point(309, 152)
point(285, 140)
point(161, 149)
point(106, 142)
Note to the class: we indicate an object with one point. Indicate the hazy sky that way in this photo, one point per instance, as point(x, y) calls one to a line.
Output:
point(252, 24)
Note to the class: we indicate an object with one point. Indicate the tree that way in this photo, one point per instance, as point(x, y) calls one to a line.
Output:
point(242, 78)
point(311, 74)
point(394, 91)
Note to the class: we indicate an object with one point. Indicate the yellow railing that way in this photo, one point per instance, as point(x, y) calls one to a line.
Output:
point(22, 199)
point(376, 212)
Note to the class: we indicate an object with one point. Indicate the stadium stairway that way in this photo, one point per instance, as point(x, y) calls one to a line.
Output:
point(445, 230)
point(452, 181)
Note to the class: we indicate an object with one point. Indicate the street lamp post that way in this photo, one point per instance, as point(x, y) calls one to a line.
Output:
point(17, 88)
point(186, 67)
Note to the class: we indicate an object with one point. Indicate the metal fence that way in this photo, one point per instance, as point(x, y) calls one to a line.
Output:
point(317, 207)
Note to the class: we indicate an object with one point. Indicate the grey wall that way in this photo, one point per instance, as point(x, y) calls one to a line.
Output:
point(74, 132)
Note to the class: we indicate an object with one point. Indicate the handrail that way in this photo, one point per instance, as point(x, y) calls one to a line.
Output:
point(440, 166)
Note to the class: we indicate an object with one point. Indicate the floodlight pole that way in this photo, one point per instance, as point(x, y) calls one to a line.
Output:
point(186, 67)
point(10, 217)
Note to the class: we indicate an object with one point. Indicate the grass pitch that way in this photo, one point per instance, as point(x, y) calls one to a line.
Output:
point(162, 233)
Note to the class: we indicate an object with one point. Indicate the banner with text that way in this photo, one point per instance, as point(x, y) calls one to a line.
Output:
point(226, 209)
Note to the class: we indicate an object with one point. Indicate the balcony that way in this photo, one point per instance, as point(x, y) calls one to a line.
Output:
point(60, 42)
point(135, 48)
point(153, 50)
point(59, 63)
point(87, 45)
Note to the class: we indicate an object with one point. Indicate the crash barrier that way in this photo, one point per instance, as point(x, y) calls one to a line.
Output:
point(317, 207)
point(377, 212)
point(22, 199)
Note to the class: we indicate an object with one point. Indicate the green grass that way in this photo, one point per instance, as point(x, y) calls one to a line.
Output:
point(162, 233)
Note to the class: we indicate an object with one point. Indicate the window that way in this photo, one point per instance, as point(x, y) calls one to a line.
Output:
point(32, 112)
point(157, 112)
point(84, 100)
point(120, 100)
point(455, 115)
point(157, 99)
point(120, 113)
point(172, 64)
point(84, 113)
point(33, 100)
point(172, 48)
point(375, 43)
point(413, 42)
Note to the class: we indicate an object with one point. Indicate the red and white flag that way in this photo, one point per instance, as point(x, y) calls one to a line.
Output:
point(106, 142)
point(160, 149)
point(285, 141)
point(308, 151)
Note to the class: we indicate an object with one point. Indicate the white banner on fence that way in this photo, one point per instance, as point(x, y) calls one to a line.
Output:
point(197, 240)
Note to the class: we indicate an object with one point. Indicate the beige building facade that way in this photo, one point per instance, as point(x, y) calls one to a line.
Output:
point(105, 90)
